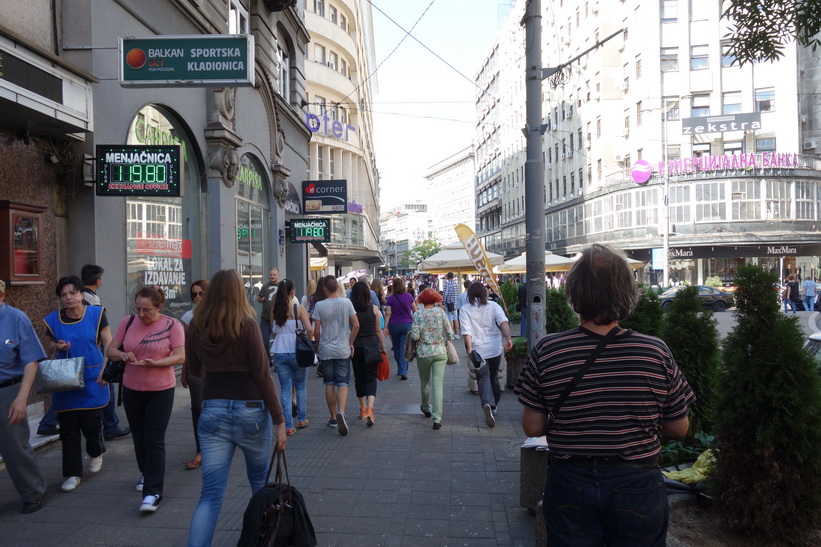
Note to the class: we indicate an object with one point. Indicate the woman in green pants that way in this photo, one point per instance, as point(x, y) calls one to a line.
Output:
point(432, 328)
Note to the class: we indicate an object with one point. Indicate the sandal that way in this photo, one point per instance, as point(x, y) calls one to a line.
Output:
point(195, 463)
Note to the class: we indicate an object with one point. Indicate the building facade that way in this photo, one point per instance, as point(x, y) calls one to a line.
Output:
point(452, 195)
point(240, 147)
point(401, 229)
point(658, 131)
point(338, 112)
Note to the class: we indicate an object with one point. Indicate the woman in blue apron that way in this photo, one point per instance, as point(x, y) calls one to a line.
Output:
point(77, 330)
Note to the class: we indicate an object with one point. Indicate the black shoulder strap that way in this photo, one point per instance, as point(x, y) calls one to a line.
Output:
point(581, 372)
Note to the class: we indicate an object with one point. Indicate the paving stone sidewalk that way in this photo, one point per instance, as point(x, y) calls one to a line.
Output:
point(398, 483)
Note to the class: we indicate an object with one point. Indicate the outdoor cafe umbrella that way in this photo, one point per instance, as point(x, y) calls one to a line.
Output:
point(454, 258)
point(552, 263)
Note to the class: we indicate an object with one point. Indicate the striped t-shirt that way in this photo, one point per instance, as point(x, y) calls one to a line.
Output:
point(618, 407)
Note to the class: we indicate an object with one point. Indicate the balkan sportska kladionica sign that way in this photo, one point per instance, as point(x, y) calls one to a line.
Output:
point(325, 197)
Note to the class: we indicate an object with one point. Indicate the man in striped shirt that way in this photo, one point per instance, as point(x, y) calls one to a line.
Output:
point(449, 294)
point(604, 484)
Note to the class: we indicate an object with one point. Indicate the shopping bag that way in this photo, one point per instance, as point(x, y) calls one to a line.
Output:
point(58, 375)
point(383, 371)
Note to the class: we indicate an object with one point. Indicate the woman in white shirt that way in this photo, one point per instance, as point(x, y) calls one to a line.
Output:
point(482, 324)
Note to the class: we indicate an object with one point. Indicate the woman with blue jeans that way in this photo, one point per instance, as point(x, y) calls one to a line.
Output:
point(239, 398)
point(285, 318)
point(399, 310)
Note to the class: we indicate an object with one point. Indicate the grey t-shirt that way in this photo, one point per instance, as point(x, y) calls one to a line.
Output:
point(334, 335)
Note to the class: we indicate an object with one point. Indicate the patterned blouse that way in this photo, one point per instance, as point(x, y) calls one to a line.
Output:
point(430, 326)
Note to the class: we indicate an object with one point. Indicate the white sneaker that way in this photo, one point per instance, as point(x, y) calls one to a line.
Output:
point(489, 419)
point(150, 503)
point(71, 484)
point(96, 464)
point(139, 486)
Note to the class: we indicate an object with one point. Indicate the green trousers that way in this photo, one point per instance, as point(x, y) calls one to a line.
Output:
point(432, 378)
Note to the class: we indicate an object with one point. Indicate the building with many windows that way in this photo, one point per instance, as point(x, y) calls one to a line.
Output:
point(401, 229)
point(659, 120)
point(451, 195)
point(338, 112)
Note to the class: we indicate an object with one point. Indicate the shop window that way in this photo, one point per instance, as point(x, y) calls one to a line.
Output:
point(20, 258)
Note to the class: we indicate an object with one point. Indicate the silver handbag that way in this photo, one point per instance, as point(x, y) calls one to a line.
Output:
point(57, 375)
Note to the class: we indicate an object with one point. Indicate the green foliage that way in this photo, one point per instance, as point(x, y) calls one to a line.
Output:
point(510, 292)
point(646, 317)
point(514, 316)
point(713, 281)
point(420, 252)
point(686, 451)
point(519, 348)
point(764, 27)
point(768, 419)
point(558, 315)
point(692, 336)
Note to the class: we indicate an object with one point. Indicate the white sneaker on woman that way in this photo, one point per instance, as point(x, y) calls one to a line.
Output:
point(71, 484)
point(150, 503)
point(96, 464)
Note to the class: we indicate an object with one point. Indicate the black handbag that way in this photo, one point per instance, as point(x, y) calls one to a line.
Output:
point(276, 516)
point(372, 353)
point(113, 371)
point(305, 353)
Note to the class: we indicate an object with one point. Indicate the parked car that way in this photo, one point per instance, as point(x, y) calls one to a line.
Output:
point(711, 297)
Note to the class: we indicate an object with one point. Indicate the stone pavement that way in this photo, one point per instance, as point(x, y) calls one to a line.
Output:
point(398, 483)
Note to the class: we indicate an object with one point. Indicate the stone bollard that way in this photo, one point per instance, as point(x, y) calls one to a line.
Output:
point(532, 476)
point(541, 527)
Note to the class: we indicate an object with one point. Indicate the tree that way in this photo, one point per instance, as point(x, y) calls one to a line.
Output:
point(647, 315)
point(762, 28)
point(768, 419)
point(420, 252)
point(692, 336)
point(510, 293)
point(558, 315)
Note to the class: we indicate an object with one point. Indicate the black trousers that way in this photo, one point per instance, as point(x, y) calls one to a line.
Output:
point(75, 424)
point(148, 414)
point(364, 375)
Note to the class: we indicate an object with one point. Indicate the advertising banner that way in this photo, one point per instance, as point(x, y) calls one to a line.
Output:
point(480, 260)
point(325, 197)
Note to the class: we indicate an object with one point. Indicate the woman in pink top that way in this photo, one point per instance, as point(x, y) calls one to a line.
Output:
point(150, 349)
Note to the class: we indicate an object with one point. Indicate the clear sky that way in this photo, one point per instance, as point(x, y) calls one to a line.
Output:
point(424, 109)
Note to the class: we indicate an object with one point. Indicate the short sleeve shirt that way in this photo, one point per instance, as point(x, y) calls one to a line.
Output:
point(154, 341)
point(334, 335)
point(481, 323)
point(19, 344)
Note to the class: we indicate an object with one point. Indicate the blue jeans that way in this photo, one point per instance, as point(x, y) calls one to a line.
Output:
point(291, 374)
point(791, 304)
point(809, 303)
point(335, 372)
point(399, 332)
point(487, 378)
point(224, 425)
point(615, 507)
point(265, 329)
point(524, 322)
point(111, 423)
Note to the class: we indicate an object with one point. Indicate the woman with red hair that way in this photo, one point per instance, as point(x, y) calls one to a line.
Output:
point(432, 328)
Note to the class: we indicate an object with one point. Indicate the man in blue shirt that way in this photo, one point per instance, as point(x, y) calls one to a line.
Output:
point(20, 351)
point(809, 294)
point(449, 295)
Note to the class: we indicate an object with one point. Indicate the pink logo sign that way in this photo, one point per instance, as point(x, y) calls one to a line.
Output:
point(642, 171)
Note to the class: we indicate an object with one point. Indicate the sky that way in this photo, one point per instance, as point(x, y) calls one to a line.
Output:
point(423, 108)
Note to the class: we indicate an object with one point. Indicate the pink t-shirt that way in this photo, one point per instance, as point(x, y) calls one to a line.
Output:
point(154, 341)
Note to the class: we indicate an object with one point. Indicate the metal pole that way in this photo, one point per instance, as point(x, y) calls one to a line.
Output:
point(666, 235)
point(534, 175)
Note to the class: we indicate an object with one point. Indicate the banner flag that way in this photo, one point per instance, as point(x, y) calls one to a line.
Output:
point(480, 260)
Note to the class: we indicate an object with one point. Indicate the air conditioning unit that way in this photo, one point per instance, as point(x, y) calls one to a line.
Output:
point(569, 153)
point(563, 156)
point(810, 145)
point(618, 159)
point(569, 112)
point(548, 165)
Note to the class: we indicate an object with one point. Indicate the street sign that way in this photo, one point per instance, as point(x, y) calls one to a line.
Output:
point(187, 61)
point(719, 124)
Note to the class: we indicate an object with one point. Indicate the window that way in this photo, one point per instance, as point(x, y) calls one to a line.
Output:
point(598, 127)
point(727, 58)
point(638, 66)
point(731, 103)
point(581, 179)
point(332, 14)
point(804, 199)
point(333, 60)
point(669, 11)
point(237, 18)
point(343, 22)
point(765, 99)
point(765, 145)
point(778, 199)
point(20, 248)
point(699, 57)
point(598, 170)
point(572, 183)
point(638, 113)
point(319, 105)
point(283, 74)
point(626, 123)
point(331, 164)
point(701, 106)
point(319, 8)
point(669, 59)
point(673, 152)
point(746, 200)
point(319, 54)
point(701, 149)
point(320, 162)
point(679, 199)
point(672, 108)
point(732, 147)
point(343, 67)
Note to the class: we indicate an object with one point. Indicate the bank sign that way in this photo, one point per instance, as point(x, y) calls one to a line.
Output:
point(187, 61)
point(719, 124)
point(325, 196)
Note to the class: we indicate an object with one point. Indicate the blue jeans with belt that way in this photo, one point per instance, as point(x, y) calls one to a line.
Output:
point(590, 506)
point(224, 425)
point(399, 332)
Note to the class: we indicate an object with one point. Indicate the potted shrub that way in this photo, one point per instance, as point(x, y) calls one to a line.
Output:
point(515, 360)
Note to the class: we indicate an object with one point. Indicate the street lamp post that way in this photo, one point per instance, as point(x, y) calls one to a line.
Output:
point(666, 197)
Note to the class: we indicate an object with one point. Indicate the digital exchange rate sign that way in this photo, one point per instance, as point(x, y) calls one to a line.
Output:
point(310, 230)
point(124, 170)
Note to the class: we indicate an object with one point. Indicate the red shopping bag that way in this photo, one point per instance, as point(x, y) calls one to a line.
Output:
point(383, 372)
